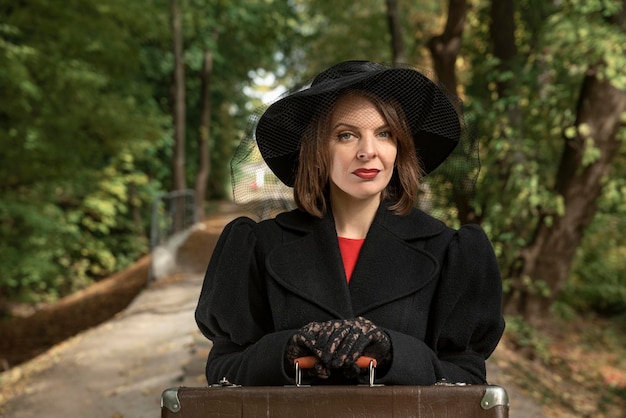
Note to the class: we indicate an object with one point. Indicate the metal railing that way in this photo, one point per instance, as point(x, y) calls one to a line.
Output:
point(172, 213)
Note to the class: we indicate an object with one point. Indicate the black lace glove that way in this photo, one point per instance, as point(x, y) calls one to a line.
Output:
point(305, 342)
point(338, 344)
point(353, 338)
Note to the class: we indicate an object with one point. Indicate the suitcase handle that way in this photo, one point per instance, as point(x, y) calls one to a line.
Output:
point(308, 362)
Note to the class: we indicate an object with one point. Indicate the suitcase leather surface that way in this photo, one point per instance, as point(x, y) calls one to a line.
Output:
point(336, 401)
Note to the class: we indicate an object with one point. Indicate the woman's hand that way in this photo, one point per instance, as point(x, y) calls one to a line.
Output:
point(305, 342)
point(339, 343)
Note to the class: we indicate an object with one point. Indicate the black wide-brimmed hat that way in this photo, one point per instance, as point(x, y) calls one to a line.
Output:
point(431, 114)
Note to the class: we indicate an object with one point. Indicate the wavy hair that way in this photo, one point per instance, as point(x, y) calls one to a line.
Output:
point(311, 187)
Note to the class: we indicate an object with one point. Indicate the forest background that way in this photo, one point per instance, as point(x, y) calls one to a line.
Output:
point(107, 105)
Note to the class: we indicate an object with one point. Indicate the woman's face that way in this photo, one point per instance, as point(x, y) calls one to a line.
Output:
point(362, 150)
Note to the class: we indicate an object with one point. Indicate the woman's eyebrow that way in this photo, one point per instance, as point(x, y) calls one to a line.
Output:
point(349, 126)
point(345, 125)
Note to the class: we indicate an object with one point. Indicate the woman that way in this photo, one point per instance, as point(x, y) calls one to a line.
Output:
point(355, 269)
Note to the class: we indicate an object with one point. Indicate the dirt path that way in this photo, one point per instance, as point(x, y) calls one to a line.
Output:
point(119, 368)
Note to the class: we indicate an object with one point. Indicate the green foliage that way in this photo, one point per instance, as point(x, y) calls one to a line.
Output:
point(525, 336)
point(361, 26)
point(522, 133)
point(74, 91)
point(581, 34)
point(359, 30)
point(72, 114)
point(599, 279)
point(84, 232)
point(112, 219)
point(85, 124)
point(27, 256)
point(85, 119)
point(243, 37)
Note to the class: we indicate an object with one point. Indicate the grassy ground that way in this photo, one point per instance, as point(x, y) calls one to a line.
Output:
point(576, 368)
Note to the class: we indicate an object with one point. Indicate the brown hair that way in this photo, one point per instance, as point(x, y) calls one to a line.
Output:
point(313, 172)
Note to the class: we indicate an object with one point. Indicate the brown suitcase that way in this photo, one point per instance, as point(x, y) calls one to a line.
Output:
point(336, 401)
point(368, 401)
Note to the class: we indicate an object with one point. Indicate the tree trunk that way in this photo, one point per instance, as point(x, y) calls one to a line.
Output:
point(395, 29)
point(502, 33)
point(444, 49)
point(178, 99)
point(178, 116)
point(204, 152)
point(549, 257)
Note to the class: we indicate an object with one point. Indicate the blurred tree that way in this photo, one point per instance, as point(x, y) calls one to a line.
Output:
point(398, 50)
point(517, 66)
point(394, 31)
point(178, 100)
point(445, 49)
point(204, 127)
point(522, 94)
point(225, 44)
point(85, 123)
point(87, 135)
point(360, 31)
point(75, 122)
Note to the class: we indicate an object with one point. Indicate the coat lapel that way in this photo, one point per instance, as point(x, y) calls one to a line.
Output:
point(388, 269)
point(311, 268)
point(391, 264)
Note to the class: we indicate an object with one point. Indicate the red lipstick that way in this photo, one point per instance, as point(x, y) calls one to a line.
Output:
point(366, 173)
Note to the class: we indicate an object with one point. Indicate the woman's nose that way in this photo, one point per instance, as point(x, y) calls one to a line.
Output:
point(367, 148)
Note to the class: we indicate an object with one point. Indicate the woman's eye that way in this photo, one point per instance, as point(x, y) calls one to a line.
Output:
point(344, 136)
point(385, 134)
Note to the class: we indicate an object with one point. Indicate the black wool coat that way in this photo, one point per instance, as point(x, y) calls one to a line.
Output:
point(436, 291)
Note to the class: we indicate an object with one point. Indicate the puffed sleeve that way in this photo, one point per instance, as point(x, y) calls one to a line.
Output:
point(234, 313)
point(465, 320)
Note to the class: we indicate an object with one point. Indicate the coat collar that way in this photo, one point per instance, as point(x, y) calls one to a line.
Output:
point(415, 225)
point(389, 266)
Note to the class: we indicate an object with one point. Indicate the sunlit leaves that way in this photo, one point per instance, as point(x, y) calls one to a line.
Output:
point(73, 108)
point(85, 123)
point(84, 115)
point(581, 34)
point(523, 133)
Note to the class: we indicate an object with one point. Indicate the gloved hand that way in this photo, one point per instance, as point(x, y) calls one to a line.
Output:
point(352, 338)
point(339, 343)
point(304, 342)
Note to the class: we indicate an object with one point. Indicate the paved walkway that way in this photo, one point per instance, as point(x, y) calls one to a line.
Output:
point(120, 368)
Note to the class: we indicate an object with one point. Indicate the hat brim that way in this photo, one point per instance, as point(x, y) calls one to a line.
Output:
point(432, 118)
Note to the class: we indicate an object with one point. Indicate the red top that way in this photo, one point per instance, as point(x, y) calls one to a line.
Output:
point(350, 249)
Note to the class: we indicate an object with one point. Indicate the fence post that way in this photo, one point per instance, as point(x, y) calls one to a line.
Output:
point(172, 213)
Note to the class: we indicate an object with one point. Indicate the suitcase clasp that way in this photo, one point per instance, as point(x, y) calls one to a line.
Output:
point(224, 383)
